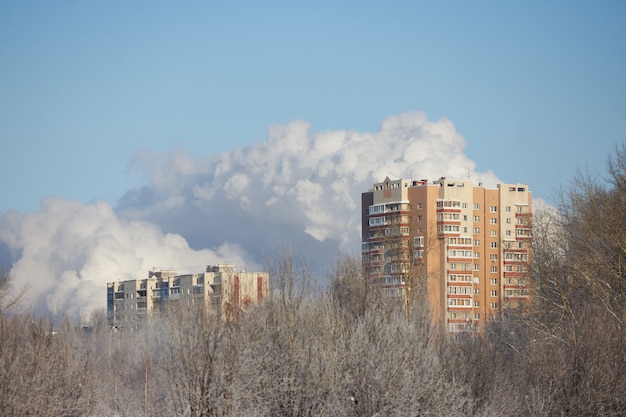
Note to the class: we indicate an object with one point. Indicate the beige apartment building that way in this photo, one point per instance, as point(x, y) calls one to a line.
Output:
point(218, 287)
point(460, 247)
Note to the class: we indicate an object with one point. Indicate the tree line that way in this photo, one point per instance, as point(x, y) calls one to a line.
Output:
point(346, 350)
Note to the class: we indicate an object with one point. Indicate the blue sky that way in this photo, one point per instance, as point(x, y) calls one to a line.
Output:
point(138, 135)
point(535, 88)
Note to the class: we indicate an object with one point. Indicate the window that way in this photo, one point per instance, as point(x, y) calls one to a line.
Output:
point(476, 291)
point(518, 292)
point(377, 221)
point(493, 220)
point(476, 303)
point(476, 218)
point(476, 206)
point(393, 292)
point(508, 233)
point(393, 280)
point(493, 293)
point(464, 205)
point(418, 241)
point(493, 233)
point(476, 267)
point(419, 206)
point(508, 209)
point(459, 277)
point(448, 228)
point(493, 209)
point(448, 203)
point(514, 256)
point(508, 220)
point(459, 302)
point(494, 305)
point(493, 244)
point(419, 218)
point(461, 266)
point(476, 316)
point(460, 254)
point(493, 257)
point(493, 269)
point(476, 242)
point(376, 209)
point(399, 267)
point(493, 281)
point(476, 230)
point(459, 290)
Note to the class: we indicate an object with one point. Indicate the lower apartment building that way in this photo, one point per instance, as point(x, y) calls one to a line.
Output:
point(462, 248)
point(220, 287)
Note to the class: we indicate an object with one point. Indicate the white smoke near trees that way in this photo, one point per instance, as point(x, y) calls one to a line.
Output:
point(67, 252)
point(297, 188)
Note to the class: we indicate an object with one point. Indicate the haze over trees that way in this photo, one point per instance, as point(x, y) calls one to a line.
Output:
point(347, 351)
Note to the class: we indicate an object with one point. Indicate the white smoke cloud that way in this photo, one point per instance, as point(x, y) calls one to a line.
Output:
point(295, 177)
point(68, 251)
point(297, 188)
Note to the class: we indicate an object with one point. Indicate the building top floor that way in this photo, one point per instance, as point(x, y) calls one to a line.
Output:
point(168, 278)
point(390, 185)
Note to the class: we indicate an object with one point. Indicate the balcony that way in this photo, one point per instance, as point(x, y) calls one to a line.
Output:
point(459, 304)
point(449, 206)
point(515, 294)
point(448, 230)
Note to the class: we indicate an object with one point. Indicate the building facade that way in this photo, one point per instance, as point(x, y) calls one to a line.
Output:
point(460, 247)
point(220, 287)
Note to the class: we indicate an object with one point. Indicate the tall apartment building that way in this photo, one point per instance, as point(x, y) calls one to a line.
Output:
point(462, 248)
point(219, 287)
